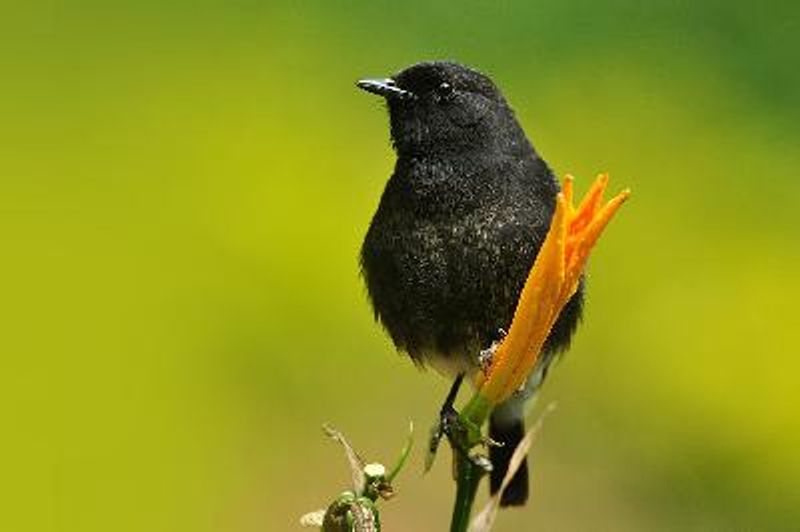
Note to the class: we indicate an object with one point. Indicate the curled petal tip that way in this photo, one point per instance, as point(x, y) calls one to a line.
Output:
point(620, 198)
point(602, 184)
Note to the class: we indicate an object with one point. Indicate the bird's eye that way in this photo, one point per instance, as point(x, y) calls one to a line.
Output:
point(444, 91)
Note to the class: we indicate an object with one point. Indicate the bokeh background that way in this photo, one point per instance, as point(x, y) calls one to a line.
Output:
point(183, 191)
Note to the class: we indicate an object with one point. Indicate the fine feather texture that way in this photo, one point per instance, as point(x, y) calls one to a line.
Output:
point(460, 221)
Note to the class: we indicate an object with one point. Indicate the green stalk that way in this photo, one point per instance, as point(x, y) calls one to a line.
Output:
point(476, 412)
point(468, 475)
point(467, 481)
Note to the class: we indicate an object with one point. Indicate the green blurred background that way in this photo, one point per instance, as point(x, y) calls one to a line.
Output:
point(183, 191)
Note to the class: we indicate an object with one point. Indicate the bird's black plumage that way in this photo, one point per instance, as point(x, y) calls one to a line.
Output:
point(459, 223)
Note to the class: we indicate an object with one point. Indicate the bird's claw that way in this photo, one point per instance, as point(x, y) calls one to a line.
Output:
point(458, 432)
point(433, 445)
point(448, 419)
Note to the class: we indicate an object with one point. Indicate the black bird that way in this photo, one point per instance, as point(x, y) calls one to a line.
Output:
point(456, 232)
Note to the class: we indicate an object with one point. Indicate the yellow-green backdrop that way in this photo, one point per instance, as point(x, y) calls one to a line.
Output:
point(183, 191)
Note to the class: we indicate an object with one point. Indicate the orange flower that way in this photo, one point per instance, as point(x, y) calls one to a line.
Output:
point(552, 281)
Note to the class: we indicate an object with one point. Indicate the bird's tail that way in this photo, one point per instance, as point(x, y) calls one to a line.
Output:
point(508, 432)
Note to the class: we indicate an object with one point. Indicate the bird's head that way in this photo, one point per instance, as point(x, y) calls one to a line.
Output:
point(442, 106)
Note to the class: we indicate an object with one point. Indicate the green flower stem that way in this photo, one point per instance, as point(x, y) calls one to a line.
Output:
point(467, 481)
point(477, 411)
point(468, 475)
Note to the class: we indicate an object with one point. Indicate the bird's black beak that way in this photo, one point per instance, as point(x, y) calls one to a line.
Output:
point(386, 88)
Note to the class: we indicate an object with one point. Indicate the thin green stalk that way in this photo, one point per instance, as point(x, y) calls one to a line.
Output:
point(467, 481)
point(468, 474)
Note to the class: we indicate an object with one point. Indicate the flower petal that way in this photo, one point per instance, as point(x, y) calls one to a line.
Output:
point(553, 279)
point(536, 310)
point(590, 204)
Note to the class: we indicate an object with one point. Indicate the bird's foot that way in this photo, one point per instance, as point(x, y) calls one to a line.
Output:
point(459, 432)
point(448, 417)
